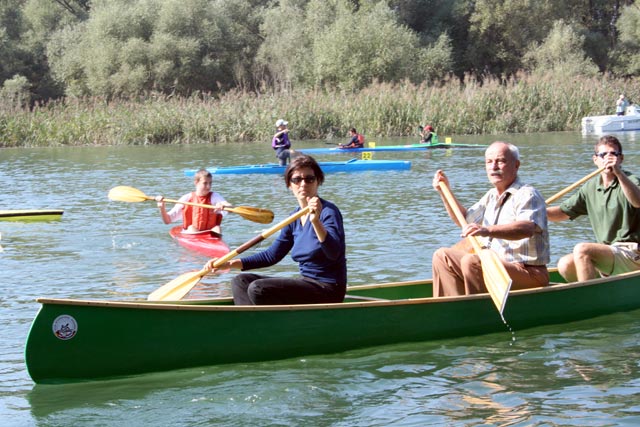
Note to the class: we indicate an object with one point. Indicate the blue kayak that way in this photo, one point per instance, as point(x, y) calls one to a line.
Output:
point(353, 165)
point(406, 147)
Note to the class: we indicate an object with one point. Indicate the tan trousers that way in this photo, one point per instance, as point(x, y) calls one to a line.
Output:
point(458, 272)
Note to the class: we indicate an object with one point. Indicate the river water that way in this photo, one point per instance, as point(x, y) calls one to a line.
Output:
point(580, 374)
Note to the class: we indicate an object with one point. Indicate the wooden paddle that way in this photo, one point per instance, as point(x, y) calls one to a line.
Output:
point(494, 272)
point(181, 285)
point(572, 186)
point(129, 194)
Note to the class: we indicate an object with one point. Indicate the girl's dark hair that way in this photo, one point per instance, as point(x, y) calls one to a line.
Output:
point(303, 161)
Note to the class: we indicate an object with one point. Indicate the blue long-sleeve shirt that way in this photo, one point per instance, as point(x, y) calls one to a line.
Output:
point(325, 262)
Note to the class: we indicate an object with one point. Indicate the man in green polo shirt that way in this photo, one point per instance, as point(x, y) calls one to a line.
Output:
point(611, 202)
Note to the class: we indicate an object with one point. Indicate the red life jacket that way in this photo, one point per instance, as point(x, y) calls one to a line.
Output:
point(361, 140)
point(201, 218)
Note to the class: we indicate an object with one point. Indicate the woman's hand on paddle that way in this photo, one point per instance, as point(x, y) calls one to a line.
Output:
point(315, 205)
point(235, 263)
point(159, 200)
point(438, 178)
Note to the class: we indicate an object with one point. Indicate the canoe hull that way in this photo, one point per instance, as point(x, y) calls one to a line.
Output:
point(205, 244)
point(327, 167)
point(107, 339)
point(31, 215)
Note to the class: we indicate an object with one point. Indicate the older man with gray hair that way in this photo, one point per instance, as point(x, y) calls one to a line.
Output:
point(510, 219)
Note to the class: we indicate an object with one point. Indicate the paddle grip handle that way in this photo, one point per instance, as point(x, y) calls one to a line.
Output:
point(461, 219)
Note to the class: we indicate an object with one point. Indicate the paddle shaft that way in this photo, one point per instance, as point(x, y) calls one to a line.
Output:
point(202, 205)
point(495, 275)
point(260, 237)
point(180, 286)
point(247, 212)
point(477, 247)
point(572, 186)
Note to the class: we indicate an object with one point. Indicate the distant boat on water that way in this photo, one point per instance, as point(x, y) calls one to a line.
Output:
point(612, 123)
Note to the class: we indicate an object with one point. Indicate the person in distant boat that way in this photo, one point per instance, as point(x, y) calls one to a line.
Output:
point(316, 242)
point(356, 141)
point(196, 218)
point(427, 134)
point(621, 105)
point(612, 202)
point(281, 143)
point(510, 219)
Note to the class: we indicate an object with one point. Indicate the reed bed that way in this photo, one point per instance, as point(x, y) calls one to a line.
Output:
point(524, 103)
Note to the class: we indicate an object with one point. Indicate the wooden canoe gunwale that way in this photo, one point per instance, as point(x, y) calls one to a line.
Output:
point(217, 304)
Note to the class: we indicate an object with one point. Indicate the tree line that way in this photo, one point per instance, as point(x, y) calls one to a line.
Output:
point(123, 49)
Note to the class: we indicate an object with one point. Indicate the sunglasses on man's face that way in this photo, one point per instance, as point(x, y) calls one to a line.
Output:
point(310, 179)
point(604, 154)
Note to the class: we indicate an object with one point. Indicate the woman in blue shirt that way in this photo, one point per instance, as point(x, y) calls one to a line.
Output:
point(316, 242)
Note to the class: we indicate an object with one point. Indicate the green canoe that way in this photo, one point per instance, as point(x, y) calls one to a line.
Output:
point(76, 340)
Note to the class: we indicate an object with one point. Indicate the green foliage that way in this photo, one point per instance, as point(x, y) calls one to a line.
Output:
point(14, 94)
point(362, 46)
point(129, 47)
point(282, 56)
point(502, 30)
point(343, 46)
point(561, 52)
point(436, 63)
point(627, 55)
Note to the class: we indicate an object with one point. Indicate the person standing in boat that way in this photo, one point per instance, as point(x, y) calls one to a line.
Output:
point(195, 218)
point(356, 141)
point(621, 105)
point(281, 143)
point(510, 219)
point(611, 202)
point(316, 242)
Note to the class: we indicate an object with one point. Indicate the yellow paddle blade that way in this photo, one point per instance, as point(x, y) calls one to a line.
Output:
point(495, 277)
point(262, 216)
point(123, 193)
point(178, 287)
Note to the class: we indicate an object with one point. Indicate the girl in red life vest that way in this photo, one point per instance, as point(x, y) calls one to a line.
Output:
point(196, 218)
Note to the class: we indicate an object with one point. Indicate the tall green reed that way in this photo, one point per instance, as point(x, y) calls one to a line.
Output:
point(524, 103)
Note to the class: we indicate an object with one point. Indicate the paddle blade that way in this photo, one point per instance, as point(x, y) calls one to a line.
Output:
point(495, 277)
point(123, 193)
point(262, 216)
point(178, 287)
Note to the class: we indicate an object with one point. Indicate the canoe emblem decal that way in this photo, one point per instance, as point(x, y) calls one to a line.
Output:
point(65, 327)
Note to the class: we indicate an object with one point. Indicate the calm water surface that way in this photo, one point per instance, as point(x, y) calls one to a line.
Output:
point(581, 374)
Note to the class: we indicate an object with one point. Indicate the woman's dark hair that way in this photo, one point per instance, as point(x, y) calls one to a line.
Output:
point(300, 162)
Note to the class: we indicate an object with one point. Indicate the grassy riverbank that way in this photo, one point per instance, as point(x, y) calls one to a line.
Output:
point(526, 104)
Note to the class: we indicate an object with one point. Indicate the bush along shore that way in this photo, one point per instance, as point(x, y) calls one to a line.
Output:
point(522, 104)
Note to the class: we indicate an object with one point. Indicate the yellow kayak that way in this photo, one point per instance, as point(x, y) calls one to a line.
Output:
point(30, 214)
